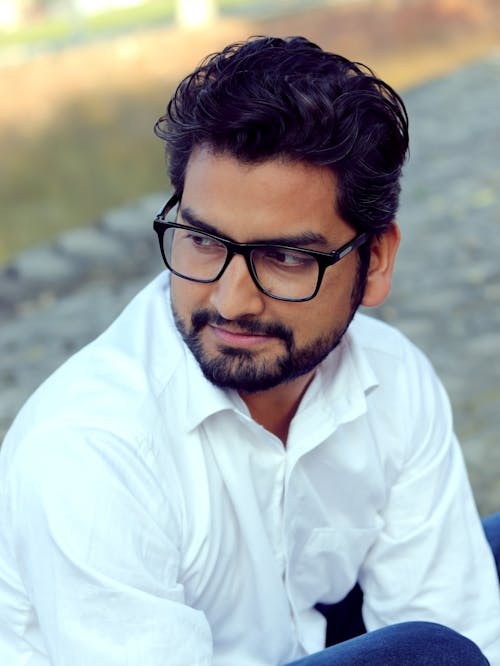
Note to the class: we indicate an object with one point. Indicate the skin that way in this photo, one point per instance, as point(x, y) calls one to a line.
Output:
point(269, 200)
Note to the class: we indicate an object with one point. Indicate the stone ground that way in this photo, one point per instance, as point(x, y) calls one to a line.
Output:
point(446, 294)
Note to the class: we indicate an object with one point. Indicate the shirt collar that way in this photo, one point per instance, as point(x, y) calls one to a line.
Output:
point(336, 396)
point(203, 399)
point(194, 394)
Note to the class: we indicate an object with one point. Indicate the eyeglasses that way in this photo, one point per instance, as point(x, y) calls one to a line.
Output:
point(279, 271)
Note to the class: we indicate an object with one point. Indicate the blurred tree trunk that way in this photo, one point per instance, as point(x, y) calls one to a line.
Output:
point(195, 13)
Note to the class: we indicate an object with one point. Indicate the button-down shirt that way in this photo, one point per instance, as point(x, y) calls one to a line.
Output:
point(147, 519)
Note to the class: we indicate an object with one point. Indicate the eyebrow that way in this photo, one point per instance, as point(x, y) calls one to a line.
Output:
point(299, 240)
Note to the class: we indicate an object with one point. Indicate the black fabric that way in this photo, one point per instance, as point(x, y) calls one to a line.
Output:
point(344, 619)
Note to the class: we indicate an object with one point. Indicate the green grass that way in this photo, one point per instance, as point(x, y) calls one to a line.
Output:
point(98, 153)
point(58, 29)
point(65, 29)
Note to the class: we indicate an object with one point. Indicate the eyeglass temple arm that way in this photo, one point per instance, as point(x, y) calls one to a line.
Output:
point(359, 240)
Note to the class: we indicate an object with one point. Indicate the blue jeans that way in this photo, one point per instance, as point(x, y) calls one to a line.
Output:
point(405, 644)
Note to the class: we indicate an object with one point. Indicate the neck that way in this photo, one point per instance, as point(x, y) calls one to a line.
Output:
point(274, 409)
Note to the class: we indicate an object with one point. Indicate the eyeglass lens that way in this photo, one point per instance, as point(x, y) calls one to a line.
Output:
point(280, 272)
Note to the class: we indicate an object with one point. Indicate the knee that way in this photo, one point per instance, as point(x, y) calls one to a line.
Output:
point(432, 643)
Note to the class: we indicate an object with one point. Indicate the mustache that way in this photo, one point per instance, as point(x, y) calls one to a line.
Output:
point(203, 317)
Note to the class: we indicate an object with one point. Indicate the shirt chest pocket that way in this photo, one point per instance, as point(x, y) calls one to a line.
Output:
point(330, 562)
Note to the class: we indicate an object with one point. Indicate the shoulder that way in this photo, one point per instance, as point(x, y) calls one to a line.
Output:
point(408, 390)
point(387, 348)
point(405, 377)
point(377, 336)
point(114, 384)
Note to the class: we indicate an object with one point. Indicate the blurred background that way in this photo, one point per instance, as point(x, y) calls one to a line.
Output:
point(82, 81)
point(82, 175)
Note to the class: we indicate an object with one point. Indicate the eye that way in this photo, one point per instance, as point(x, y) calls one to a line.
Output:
point(201, 241)
point(287, 258)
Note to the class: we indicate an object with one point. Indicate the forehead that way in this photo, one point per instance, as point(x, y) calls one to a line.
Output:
point(259, 200)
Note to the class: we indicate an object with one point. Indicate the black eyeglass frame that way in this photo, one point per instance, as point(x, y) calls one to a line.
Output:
point(323, 259)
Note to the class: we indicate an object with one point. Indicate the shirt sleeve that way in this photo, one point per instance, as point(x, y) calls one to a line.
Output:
point(431, 561)
point(97, 540)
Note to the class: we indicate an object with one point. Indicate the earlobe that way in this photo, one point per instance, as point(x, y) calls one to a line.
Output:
point(382, 256)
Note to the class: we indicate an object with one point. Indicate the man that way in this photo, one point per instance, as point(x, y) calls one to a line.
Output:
point(240, 451)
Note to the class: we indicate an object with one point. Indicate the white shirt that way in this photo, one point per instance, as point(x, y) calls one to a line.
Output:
point(146, 519)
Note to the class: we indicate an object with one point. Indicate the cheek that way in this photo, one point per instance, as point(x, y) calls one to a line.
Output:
point(326, 313)
point(188, 296)
point(337, 287)
point(185, 295)
point(312, 322)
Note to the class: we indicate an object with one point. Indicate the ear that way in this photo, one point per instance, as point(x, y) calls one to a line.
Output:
point(382, 256)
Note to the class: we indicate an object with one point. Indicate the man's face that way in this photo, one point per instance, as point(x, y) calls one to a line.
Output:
point(242, 338)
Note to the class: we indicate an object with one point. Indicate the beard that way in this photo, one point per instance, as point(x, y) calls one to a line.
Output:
point(242, 369)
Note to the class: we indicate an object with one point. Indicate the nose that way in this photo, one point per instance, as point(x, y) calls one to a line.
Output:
point(235, 294)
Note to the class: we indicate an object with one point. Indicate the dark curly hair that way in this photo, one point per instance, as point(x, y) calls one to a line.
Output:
point(270, 97)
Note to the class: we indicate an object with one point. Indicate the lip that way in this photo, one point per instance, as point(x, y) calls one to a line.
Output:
point(237, 339)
